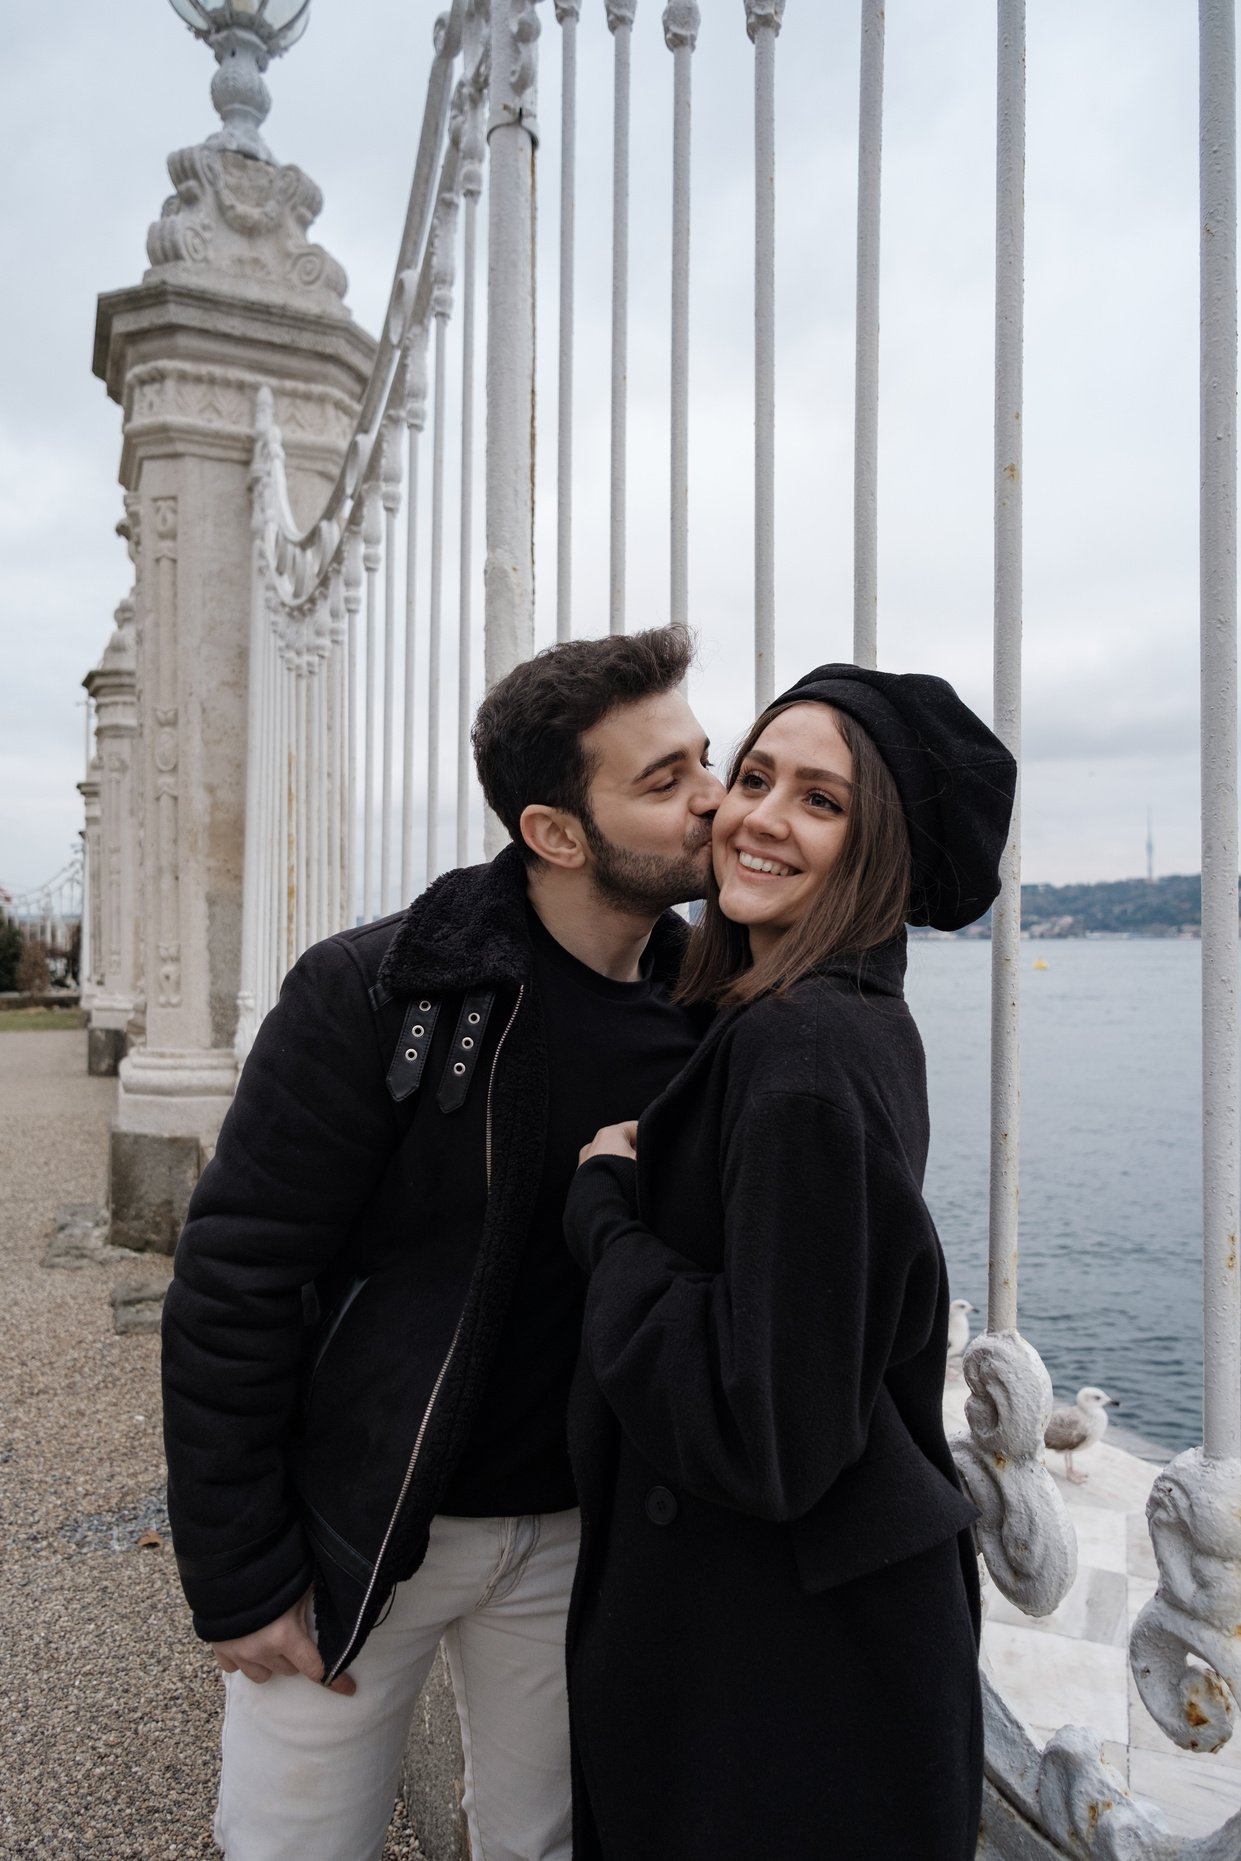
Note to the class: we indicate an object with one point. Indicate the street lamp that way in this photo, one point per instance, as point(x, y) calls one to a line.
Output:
point(245, 36)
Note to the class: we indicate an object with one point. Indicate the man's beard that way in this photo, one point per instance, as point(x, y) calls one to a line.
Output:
point(647, 883)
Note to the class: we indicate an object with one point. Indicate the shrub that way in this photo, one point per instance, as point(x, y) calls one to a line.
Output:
point(33, 975)
point(12, 944)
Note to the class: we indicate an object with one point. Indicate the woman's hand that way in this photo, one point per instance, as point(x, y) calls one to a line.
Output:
point(613, 1140)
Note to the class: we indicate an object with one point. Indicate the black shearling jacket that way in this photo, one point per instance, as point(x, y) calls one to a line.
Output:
point(349, 1256)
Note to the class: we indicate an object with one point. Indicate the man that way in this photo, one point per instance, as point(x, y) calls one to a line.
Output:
point(369, 1340)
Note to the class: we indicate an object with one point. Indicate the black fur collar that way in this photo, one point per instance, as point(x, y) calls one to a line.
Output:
point(468, 930)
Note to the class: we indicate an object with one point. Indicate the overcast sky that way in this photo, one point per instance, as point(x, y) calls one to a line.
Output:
point(93, 98)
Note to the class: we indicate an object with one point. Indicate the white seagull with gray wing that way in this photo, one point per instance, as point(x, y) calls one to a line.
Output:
point(1079, 1426)
point(958, 1335)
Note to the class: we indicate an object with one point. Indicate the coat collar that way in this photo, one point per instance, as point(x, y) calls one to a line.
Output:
point(880, 971)
point(468, 930)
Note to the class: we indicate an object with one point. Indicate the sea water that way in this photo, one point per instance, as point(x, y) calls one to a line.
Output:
point(1111, 1193)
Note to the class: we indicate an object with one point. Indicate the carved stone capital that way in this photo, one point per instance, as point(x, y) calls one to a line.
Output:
point(568, 9)
point(763, 16)
point(1024, 1532)
point(1194, 1516)
point(682, 19)
point(620, 13)
point(241, 222)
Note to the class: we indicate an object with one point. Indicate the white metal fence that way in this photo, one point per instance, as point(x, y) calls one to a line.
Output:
point(349, 745)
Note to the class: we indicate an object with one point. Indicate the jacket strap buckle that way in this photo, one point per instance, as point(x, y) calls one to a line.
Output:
point(412, 1046)
point(467, 1044)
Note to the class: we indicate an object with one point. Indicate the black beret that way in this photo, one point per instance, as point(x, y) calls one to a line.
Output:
point(955, 778)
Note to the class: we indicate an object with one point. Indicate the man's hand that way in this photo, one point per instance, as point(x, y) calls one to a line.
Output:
point(613, 1140)
point(285, 1646)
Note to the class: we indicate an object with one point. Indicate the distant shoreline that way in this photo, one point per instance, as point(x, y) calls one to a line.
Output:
point(1169, 909)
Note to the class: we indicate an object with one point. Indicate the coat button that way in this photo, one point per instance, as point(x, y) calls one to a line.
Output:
point(661, 1507)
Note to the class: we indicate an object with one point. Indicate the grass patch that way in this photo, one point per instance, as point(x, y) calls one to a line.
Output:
point(40, 1020)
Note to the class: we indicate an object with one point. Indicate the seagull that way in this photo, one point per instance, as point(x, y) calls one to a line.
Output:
point(958, 1335)
point(1079, 1426)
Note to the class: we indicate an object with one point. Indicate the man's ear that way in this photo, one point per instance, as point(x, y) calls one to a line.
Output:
point(555, 835)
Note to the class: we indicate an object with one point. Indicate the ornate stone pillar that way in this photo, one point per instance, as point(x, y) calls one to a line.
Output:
point(88, 949)
point(235, 299)
point(112, 686)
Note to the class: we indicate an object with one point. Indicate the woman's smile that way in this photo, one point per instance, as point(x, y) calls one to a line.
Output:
point(780, 827)
point(756, 862)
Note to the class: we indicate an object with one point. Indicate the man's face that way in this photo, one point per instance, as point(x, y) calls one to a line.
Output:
point(652, 798)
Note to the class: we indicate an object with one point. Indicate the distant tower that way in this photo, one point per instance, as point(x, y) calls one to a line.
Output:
point(1150, 850)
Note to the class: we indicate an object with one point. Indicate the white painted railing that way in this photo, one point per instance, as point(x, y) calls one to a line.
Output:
point(340, 802)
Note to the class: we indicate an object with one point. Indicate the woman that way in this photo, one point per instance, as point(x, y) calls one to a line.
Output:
point(773, 1642)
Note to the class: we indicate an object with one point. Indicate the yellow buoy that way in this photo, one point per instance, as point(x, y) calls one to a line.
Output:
point(1039, 963)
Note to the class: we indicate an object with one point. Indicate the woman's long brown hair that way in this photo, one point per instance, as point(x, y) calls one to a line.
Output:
point(861, 904)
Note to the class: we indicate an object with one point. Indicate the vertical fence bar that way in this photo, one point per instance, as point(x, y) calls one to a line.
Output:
point(681, 22)
point(323, 781)
point(1218, 533)
point(314, 782)
point(335, 829)
point(466, 559)
point(269, 815)
point(390, 494)
point(415, 421)
point(1006, 913)
point(763, 22)
point(248, 994)
point(435, 610)
point(866, 370)
point(620, 15)
point(283, 683)
point(372, 541)
point(567, 12)
point(353, 577)
point(512, 136)
point(300, 787)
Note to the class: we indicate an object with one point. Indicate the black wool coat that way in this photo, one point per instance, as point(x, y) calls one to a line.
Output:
point(349, 1259)
point(773, 1639)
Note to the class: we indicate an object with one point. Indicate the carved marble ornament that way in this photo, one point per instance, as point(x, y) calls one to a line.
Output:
point(1185, 1650)
point(763, 16)
point(246, 221)
point(682, 19)
point(1024, 1533)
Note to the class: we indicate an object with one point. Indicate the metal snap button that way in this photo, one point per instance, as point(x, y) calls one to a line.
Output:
point(661, 1506)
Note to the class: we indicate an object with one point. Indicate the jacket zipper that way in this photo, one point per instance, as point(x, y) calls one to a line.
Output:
point(435, 1388)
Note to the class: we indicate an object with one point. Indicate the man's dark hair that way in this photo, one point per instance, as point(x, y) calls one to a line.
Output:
point(527, 735)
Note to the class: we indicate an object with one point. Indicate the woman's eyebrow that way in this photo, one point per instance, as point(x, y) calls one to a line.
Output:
point(803, 774)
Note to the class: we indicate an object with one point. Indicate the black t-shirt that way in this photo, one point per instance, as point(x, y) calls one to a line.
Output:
point(611, 1048)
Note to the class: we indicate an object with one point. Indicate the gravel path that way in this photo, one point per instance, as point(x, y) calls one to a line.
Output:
point(109, 1728)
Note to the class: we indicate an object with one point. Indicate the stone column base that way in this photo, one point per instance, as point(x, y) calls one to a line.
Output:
point(168, 1114)
point(151, 1178)
point(106, 1047)
point(433, 1780)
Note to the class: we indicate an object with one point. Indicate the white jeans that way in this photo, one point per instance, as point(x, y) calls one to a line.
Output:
point(310, 1775)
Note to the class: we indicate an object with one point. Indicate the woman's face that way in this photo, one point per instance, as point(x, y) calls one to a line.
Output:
point(780, 827)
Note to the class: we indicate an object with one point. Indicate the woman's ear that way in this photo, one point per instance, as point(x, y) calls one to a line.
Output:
point(554, 835)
